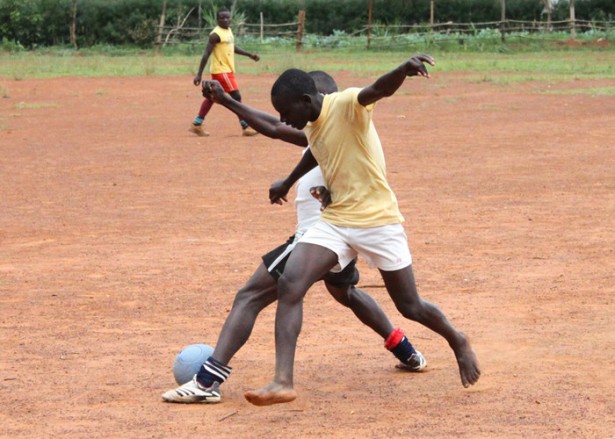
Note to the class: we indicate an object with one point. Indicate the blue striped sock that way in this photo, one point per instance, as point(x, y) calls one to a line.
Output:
point(212, 371)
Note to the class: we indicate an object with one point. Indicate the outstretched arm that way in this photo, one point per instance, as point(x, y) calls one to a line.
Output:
point(388, 83)
point(240, 51)
point(279, 189)
point(213, 40)
point(262, 122)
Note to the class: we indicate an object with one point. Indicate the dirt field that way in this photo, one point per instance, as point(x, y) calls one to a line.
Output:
point(123, 238)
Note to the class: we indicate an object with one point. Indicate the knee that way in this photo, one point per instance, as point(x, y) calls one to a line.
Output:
point(236, 95)
point(343, 296)
point(291, 290)
point(256, 300)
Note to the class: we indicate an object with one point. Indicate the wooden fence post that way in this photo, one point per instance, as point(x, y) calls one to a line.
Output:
point(163, 17)
point(370, 9)
point(300, 27)
point(432, 7)
point(573, 21)
point(262, 27)
point(549, 9)
point(73, 24)
point(503, 21)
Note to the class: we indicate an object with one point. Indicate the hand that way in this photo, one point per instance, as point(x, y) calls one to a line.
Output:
point(322, 194)
point(213, 91)
point(197, 80)
point(415, 66)
point(255, 57)
point(278, 192)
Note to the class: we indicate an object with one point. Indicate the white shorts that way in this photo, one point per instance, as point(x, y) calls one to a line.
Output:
point(385, 247)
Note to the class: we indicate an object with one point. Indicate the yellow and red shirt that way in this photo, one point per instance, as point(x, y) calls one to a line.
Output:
point(223, 54)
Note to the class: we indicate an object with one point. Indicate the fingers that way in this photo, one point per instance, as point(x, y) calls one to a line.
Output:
point(207, 90)
point(322, 194)
point(425, 59)
point(423, 71)
point(417, 65)
point(279, 201)
point(212, 90)
point(316, 192)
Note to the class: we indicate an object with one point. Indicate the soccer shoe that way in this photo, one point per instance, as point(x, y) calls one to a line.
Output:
point(198, 130)
point(415, 363)
point(192, 392)
point(249, 132)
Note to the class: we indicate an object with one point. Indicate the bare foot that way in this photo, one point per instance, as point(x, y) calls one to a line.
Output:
point(273, 393)
point(468, 363)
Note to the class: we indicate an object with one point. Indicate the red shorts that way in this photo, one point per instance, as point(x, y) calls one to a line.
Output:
point(227, 80)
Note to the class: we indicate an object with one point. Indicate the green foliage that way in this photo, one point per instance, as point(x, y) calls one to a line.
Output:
point(21, 21)
point(35, 23)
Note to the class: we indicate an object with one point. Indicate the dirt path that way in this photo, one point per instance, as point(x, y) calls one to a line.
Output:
point(124, 238)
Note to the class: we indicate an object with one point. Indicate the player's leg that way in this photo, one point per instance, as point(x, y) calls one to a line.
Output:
point(306, 264)
point(341, 286)
point(259, 292)
point(402, 288)
point(199, 119)
point(235, 94)
point(387, 248)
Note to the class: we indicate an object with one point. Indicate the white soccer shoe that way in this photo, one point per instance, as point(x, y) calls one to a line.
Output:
point(415, 363)
point(192, 392)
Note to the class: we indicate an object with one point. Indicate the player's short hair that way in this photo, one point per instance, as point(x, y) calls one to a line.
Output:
point(222, 9)
point(294, 83)
point(324, 82)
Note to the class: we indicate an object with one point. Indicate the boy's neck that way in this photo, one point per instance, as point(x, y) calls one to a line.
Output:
point(317, 101)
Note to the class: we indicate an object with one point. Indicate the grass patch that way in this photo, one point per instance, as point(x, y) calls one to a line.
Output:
point(23, 105)
point(510, 67)
point(593, 91)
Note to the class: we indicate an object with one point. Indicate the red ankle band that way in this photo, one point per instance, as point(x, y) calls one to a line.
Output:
point(394, 338)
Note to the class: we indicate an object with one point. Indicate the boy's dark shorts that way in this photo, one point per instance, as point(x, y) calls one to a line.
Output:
point(349, 276)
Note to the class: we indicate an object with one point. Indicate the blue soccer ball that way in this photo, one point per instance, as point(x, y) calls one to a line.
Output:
point(189, 361)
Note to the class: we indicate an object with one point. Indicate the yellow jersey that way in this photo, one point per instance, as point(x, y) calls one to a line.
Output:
point(223, 54)
point(346, 145)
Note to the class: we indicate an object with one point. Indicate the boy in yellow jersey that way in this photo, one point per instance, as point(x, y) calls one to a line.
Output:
point(222, 49)
point(362, 217)
point(261, 289)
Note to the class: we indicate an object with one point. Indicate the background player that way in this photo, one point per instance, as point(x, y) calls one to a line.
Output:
point(221, 46)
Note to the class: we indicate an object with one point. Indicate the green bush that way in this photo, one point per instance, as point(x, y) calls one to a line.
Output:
point(34, 23)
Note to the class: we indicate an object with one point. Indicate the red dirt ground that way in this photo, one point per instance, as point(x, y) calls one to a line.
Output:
point(124, 238)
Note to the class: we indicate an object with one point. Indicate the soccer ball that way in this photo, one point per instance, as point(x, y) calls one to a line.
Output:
point(189, 361)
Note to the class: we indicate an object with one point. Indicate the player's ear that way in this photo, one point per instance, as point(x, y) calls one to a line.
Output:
point(306, 99)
